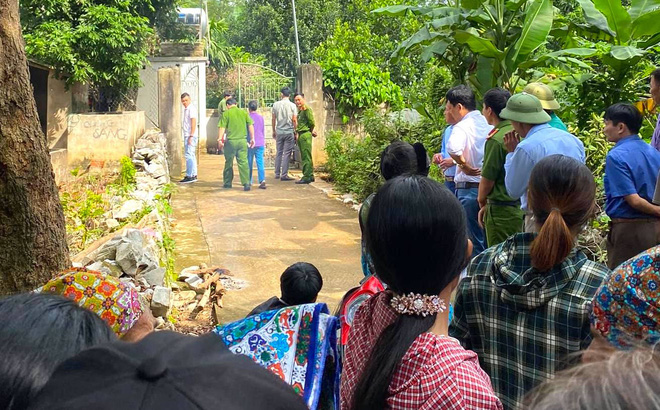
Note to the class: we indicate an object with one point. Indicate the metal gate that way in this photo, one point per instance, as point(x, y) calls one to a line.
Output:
point(257, 82)
point(190, 83)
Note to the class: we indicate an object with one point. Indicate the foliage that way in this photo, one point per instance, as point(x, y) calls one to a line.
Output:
point(357, 85)
point(265, 27)
point(220, 54)
point(353, 162)
point(502, 36)
point(95, 43)
point(623, 40)
point(126, 173)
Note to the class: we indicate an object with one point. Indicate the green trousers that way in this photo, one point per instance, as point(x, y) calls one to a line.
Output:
point(305, 146)
point(236, 149)
point(502, 221)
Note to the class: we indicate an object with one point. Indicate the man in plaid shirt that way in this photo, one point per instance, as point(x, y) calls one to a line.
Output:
point(523, 324)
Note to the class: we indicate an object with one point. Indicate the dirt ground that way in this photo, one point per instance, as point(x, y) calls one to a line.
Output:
point(257, 234)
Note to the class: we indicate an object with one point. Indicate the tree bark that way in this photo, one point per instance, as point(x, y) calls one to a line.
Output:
point(32, 230)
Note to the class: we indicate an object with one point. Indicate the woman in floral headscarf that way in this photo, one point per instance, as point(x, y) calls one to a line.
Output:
point(117, 303)
point(626, 308)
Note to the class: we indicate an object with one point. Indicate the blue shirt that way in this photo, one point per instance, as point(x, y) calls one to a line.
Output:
point(556, 122)
point(541, 141)
point(631, 167)
point(449, 172)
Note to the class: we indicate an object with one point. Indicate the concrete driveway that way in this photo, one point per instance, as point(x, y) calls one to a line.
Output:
point(257, 234)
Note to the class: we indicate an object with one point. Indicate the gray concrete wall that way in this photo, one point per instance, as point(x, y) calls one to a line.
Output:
point(103, 136)
point(169, 114)
point(59, 107)
point(310, 83)
point(79, 98)
point(59, 160)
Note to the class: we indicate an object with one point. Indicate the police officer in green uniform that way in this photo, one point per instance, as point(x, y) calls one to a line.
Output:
point(500, 215)
point(235, 122)
point(304, 133)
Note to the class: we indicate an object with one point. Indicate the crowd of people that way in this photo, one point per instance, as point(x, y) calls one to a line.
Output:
point(486, 300)
point(242, 136)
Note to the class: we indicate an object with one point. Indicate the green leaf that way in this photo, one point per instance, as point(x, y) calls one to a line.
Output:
point(446, 22)
point(399, 10)
point(471, 4)
point(626, 52)
point(438, 47)
point(647, 24)
point(538, 22)
point(477, 44)
point(617, 17)
point(594, 17)
point(641, 7)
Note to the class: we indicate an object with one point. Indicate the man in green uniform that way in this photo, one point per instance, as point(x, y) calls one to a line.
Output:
point(304, 133)
point(236, 122)
point(500, 215)
point(222, 107)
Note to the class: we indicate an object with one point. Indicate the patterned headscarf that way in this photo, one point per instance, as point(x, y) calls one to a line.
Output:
point(118, 304)
point(626, 308)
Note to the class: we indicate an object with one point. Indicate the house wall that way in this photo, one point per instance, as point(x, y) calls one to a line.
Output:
point(193, 82)
point(59, 108)
point(103, 137)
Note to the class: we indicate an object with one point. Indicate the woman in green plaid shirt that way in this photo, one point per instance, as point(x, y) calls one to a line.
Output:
point(524, 306)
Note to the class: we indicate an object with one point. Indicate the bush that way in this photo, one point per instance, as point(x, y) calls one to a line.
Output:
point(353, 162)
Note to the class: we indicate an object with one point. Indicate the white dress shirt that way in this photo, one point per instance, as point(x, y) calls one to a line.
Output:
point(468, 138)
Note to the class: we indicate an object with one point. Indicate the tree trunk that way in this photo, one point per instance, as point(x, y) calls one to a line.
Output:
point(32, 230)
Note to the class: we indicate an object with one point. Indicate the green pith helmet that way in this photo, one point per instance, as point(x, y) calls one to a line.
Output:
point(525, 108)
point(543, 93)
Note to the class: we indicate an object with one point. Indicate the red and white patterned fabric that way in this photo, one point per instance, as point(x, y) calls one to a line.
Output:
point(435, 373)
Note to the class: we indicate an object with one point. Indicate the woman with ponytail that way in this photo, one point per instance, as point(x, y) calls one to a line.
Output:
point(399, 354)
point(524, 306)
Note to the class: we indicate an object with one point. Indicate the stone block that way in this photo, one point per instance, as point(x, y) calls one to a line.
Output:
point(161, 301)
point(155, 276)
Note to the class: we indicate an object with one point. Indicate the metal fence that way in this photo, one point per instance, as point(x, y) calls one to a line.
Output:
point(260, 83)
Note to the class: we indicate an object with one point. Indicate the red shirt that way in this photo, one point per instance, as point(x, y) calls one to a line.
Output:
point(435, 373)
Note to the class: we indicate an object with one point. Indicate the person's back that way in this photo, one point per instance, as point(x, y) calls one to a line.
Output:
point(259, 129)
point(300, 283)
point(524, 306)
point(398, 354)
point(545, 140)
point(284, 110)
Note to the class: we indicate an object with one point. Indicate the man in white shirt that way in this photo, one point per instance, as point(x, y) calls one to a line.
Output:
point(466, 146)
point(189, 138)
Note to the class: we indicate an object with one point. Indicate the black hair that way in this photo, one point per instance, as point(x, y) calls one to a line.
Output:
point(562, 197)
point(625, 113)
point(253, 105)
point(231, 101)
point(496, 99)
point(286, 91)
point(228, 94)
point(462, 94)
point(184, 95)
point(300, 94)
point(37, 333)
point(402, 158)
point(656, 75)
point(416, 235)
point(300, 283)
